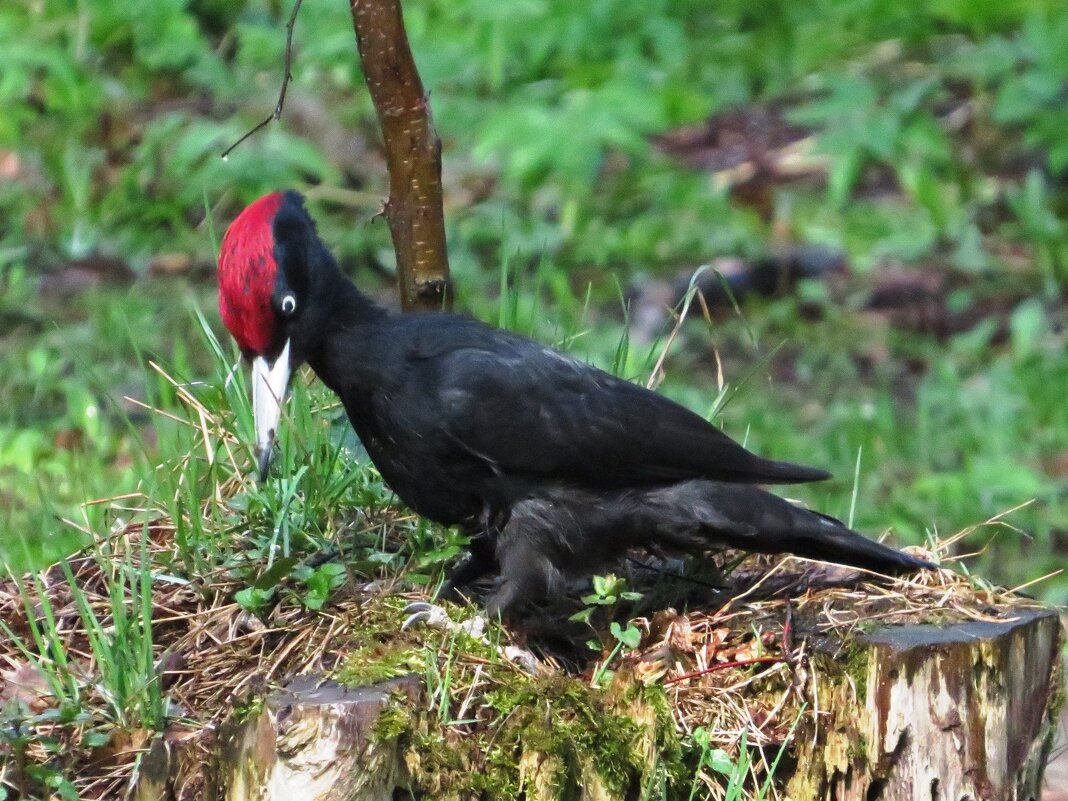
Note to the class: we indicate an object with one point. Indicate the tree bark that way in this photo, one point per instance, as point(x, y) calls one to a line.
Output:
point(954, 713)
point(413, 154)
point(315, 740)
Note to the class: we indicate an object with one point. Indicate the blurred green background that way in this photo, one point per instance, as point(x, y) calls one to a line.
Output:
point(594, 153)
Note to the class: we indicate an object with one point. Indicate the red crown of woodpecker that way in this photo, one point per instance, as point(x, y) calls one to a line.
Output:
point(247, 273)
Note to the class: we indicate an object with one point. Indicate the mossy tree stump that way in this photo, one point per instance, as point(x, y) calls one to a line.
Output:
point(953, 713)
point(315, 740)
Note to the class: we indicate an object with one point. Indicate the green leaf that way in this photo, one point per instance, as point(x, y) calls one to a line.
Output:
point(584, 615)
point(1027, 325)
point(438, 555)
point(720, 761)
point(631, 636)
point(272, 577)
point(601, 585)
point(316, 594)
point(335, 570)
point(599, 600)
point(843, 176)
point(96, 739)
point(1022, 97)
point(253, 599)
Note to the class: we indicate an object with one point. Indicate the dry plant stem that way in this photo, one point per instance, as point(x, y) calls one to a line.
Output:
point(413, 154)
point(760, 660)
point(286, 78)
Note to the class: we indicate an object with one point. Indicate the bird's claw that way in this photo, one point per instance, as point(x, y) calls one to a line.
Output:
point(422, 613)
point(523, 658)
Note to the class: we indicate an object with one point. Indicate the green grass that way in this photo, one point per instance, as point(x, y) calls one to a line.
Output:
point(970, 437)
point(556, 202)
point(197, 473)
point(740, 773)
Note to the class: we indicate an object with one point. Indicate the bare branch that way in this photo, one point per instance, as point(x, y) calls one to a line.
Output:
point(286, 78)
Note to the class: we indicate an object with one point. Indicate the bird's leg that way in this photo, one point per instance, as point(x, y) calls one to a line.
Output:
point(422, 613)
point(516, 587)
point(481, 559)
point(527, 575)
point(476, 564)
point(506, 595)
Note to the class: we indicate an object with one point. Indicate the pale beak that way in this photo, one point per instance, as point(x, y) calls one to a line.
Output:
point(269, 383)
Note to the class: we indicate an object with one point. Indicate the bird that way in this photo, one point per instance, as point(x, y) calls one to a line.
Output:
point(550, 465)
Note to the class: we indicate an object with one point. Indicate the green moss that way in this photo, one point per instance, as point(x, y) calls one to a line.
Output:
point(375, 662)
point(1058, 693)
point(381, 651)
point(570, 734)
point(669, 760)
point(393, 721)
point(247, 710)
point(855, 665)
point(539, 736)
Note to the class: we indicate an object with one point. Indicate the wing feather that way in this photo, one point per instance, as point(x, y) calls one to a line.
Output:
point(535, 412)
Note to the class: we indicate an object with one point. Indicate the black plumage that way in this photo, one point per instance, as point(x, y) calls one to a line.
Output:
point(552, 465)
point(566, 532)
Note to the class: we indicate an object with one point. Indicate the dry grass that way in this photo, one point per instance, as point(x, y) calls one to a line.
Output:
point(211, 656)
point(742, 666)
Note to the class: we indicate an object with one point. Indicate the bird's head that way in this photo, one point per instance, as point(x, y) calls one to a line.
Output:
point(272, 266)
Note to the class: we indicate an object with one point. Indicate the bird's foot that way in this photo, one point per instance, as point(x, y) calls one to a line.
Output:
point(523, 658)
point(423, 613)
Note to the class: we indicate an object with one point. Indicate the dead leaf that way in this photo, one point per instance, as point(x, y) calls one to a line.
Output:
point(170, 263)
point(27, 685)
point(10, 165)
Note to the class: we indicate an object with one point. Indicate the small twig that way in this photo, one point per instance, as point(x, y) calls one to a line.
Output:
point(758, 660)
point(286, 78)
point(788, 631)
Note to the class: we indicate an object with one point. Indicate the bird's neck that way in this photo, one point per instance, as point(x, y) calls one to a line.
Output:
point(346, 325)
point(347, 306)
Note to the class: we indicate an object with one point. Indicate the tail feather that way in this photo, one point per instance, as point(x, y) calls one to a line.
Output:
point(751, 519)
point(827, 542)
point(769, 471)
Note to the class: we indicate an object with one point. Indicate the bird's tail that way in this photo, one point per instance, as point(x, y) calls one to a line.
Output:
point(769, 471)
point(829, 540)
point(708, 513)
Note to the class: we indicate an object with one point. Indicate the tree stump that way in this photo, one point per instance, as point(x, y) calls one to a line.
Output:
point(956, 713)
point(315, 740)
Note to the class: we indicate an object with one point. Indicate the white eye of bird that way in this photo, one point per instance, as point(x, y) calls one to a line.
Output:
point(289, 304)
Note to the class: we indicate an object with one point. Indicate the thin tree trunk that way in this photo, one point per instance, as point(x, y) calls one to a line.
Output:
point(413, 154)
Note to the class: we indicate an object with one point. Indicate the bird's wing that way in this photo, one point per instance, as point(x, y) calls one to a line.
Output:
point(529, 410)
